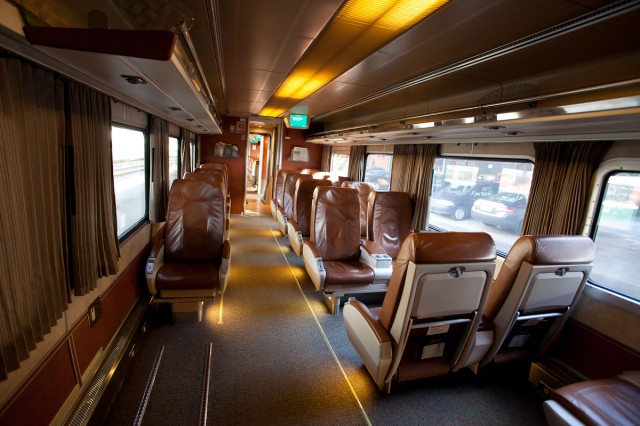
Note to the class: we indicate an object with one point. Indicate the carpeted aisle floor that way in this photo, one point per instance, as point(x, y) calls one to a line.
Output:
point(279, 358)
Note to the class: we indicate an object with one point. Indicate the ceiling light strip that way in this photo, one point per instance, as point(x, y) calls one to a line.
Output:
point(588, 19)
point(359, 28)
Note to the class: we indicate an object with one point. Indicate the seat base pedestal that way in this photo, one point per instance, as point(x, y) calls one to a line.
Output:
point(187, 311)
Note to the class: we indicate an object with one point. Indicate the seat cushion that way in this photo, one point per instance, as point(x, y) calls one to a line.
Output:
point(191, 276)
point(347, 273)
point(601, 402)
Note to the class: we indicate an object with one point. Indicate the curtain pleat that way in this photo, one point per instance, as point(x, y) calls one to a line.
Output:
point(356, 162)
point(411, 173)
point(560, 186)
point(325, 163)
point(159, 191)
point(185, 153)
point(32, 225)
point(94, 241)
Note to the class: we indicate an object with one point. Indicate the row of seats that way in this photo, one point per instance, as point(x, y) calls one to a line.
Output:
point(277, 201)
point(443, 310)
point(191, 262)
point(348, 235)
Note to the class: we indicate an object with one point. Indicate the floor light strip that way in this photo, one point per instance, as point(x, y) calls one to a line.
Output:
point(148, 388)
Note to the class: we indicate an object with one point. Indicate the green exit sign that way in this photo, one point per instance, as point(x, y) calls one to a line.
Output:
point(297, 121)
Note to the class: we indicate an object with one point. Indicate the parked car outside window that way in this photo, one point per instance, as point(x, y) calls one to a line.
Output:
point(505, 210)
point(457, 198)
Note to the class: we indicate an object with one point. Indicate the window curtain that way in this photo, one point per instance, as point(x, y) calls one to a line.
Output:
point(159, 190)
point(325, 164)
point(33, 291)
point(185, 153)
point(560, 187)
point(412, 171)
point(93, 241)
point(356, 162)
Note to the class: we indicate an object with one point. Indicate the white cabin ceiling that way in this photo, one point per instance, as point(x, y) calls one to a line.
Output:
point(247, 48)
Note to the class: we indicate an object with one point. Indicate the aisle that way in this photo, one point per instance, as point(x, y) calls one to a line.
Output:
point(270, 362)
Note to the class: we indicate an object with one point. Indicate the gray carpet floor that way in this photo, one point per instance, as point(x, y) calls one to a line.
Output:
point(280, 358)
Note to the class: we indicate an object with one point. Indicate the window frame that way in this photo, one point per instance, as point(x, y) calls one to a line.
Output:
point(592, 289)
point(147, 174)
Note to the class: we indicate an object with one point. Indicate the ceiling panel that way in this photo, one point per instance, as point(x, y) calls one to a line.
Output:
point(261, 41)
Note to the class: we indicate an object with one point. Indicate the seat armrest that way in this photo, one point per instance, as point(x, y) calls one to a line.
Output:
point(295, 237)
point(153, 265)
point(225, 267)
point(372, 248)
point(370, 340)
point(227, 226)
point(377, 259)
point(313, 264)
point(373, 321)
point(281, 218)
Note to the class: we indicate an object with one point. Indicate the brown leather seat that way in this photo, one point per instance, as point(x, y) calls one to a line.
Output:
point(614, 401)
point(332, 252)
point(433, 305)
point(213, 178)
point(285, 210)
point(532, 296)
point(389, 220)
point(299, 227)
point(364, 189)
point(220, 175)
point(192, 263)
point(278, 188)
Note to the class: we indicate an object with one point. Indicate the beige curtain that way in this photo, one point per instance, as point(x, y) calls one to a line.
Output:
point(325, 164)
point(33, 291)
point(94, 248)
point(185, 152)
point(356, 162)
point(411, 173)
point(159, 189)
point(560, 186)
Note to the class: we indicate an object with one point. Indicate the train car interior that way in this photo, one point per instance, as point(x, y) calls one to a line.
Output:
point(320, 212)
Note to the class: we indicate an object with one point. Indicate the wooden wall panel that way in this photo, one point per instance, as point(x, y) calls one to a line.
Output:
point(593, 354)
point(232, 133)
point(40, 399)
point(296, 138)
point(116, 303)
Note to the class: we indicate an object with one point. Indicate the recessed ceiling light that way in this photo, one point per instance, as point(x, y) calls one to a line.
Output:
point(134, 79)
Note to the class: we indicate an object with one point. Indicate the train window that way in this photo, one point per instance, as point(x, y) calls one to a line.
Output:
point(378, 171)
point(129, 177)
point(340, 164)
point(617, 235)
point(173, 159)
point(480, 195)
